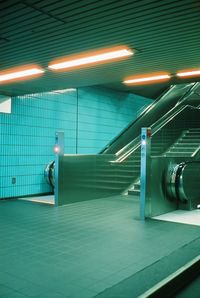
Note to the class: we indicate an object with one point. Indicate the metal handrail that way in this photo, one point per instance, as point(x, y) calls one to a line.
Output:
point(191, 86)
point(196, 151)
point(157, 126)
point(140, 116)
point(136, 142)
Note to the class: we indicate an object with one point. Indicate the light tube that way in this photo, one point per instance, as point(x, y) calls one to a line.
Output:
point(91, 58)
point(64, 90)
point(188, 73)
point(7, 76)
point(146, 79)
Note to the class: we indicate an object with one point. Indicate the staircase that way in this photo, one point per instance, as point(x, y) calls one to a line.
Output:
point(102, 174)
point(115, 170)
point(119, 175)
point(186, 145)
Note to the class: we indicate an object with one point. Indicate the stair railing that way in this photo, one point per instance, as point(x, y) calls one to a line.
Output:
point(125, 152)
point(196, 152)
point(182, 98)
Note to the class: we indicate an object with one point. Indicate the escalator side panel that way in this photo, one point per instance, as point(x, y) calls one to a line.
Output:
point(152, 114)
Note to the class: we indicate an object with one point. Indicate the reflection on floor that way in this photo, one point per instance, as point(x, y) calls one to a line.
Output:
point(40, 199)
point(182, 216)
point(80, 250)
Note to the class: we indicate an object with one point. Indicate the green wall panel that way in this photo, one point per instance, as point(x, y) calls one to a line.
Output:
point(89, 117)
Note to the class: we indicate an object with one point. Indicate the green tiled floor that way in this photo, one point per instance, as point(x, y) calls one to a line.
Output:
point(81, 249)
point(193, 290)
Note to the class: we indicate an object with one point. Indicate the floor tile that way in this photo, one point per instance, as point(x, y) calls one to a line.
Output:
point(80, 249)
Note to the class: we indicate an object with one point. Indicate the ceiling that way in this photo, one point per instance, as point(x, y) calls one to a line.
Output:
point(165, 34)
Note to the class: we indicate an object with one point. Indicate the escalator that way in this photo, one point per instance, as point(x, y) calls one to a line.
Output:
point(182, 183)
point(174, 118)
point(187, 145)
point(167, 119)
point(176, 96)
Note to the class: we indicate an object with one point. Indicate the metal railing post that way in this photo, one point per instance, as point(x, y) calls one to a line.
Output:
point(59, 151)
point(145, 168)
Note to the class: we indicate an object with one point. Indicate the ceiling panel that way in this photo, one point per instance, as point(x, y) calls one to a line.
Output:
point(165, 34)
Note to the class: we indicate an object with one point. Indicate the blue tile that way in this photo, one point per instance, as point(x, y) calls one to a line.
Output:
point(27, 135)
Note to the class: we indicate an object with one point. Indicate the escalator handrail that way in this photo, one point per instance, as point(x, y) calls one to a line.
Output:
point(165, 93)
point(135, 120)
point(179, 189)
point(156, 127)
point(194, 154)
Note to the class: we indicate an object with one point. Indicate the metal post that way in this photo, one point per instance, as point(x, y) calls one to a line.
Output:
point(59, 151)
point(145, 167)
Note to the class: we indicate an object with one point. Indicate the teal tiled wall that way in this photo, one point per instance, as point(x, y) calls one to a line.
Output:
point(89, 117)
point(102, 114)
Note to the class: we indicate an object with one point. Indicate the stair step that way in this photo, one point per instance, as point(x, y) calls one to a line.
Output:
point(101, 187)
point(134, 192)
point(181, 149)
point(124, 166)
point(191, 137)
point(137, 186)
point(178, 155)
point(186, 145)
point(193, 133)
point(104, 176)
point(118, 167)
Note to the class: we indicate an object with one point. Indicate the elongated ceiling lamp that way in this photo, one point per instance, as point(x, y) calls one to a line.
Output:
point(188, 73)
point(19, 73)
point(91, 58)
point(146, 79)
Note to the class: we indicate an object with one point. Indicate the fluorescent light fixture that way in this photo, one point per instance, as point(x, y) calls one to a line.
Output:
point(89, 58)
point(188, 73)
point(64, 90)
point(146, 79)
point(8, 75)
